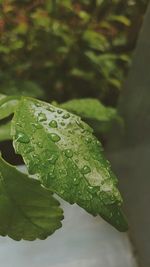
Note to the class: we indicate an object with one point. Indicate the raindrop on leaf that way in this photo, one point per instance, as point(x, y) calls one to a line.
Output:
point(86, 169)
point(53, 124)
point(59, 111)
point(68, 153)
point(42, 117)
point(23, 138)
point(55, 137)
point(66, 116)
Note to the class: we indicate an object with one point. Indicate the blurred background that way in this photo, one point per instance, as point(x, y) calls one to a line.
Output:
point(63, 49)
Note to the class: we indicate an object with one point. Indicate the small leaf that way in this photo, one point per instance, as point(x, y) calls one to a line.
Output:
point(67, 158)
point(92, 111)
point(27, 210)
point(96, 40)
point(90, 108)
point(121, 19)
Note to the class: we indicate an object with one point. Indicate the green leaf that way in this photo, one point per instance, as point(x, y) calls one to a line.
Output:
point(27, 210)
point(90, 108)
point(96, 40)
point(62, 151)
point(7, 105)
point(92, 111)
point(121, 19)
point(5, 132)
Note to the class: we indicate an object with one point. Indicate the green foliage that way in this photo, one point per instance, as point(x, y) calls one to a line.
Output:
point(13, 86)
point(64, 47)
point(92, 111)
point(27, 210)
point(7, 105)
point(89, 108)
point(62, 152)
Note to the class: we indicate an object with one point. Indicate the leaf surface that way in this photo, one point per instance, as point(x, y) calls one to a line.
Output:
point(62, 151)
point(27, 210)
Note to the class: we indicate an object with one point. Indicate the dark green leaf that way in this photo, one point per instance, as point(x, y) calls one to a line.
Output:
point(62, 151)
point(27, 210)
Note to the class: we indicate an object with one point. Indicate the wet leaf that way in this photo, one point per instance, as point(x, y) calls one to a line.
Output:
point(68, 159)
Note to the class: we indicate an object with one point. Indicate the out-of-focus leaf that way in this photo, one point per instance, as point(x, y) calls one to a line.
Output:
point(87, 75)
point(121, 19)
point(96, 40)
point(7, 105)
point(89, 108)
point(27, 210)
point(10, 86)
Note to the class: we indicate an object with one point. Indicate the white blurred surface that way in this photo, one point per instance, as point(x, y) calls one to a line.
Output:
point(83, 241)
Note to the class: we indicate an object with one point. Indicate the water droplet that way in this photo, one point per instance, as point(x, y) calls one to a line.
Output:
point(50, 176)
point(40, 144)
point(51, 109)
point(55, 137)
point(53, 124)
point(63, 172)
point(98, 143)
point(66, 116)
point(68, 153)
point(19, 125)
point(52, 159)
point(80, 124)
point(37, 125)
point(23, 138)
point(37, 104)
point(62, 191)
point(86, 157)
point(86, 169)
point(59, 111)
point(33, 166)
point(76, 181)
point(42, 117)
point(88, 140)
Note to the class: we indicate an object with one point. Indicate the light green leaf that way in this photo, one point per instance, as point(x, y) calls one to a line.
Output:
point(85, 75)
point(90, 108)
point(96, 40)
point(62, 151)
point(27, 210)
point(121, 19)
point(7, 105)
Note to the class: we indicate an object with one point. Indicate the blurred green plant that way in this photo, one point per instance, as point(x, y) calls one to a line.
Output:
point(70, 49)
